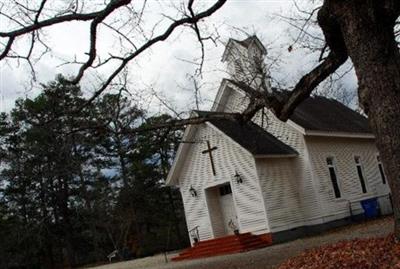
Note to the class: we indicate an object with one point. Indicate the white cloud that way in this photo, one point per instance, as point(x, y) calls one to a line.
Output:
point(162, 67)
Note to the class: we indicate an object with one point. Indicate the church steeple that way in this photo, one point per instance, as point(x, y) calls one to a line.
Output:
point(245, 60)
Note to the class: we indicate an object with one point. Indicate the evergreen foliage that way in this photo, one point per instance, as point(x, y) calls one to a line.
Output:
point(77, 183)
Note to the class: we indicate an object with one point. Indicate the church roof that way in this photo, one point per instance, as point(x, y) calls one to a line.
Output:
point(251, 137)
point(318, 113)
point(322, 114)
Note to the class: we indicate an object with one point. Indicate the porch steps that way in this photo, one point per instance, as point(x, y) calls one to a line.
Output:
point(225, 245)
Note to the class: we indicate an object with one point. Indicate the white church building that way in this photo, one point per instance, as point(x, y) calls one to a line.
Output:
point(272, 177)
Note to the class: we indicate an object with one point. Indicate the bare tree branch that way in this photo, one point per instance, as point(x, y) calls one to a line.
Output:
point(32, 24)
point(93, 35)
point(159, 38)
point(39, 11)
point(7, 48)
point(53, 21)
point(175, 124)
point(308, 83)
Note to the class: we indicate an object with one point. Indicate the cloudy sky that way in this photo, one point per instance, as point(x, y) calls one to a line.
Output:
point(166, 68)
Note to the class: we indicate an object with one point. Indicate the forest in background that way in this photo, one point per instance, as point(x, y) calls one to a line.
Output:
point(77, 181)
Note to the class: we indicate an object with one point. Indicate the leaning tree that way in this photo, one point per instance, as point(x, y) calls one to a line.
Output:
point(362, 30)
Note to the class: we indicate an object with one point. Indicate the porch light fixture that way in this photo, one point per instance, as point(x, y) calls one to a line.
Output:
point(238, 178)
point(192, 191)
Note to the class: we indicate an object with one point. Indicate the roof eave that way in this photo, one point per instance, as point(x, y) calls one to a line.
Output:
point(221, 91)
point(285, 155)
point(227, 49)
point(339, 134)
point(259, 44)
point(272, 156)
point(172, 177)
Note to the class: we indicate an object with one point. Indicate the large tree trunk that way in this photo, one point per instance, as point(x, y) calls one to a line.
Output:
point(370, 42)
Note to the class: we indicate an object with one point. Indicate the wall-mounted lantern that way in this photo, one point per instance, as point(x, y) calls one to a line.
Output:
point(192, 191)
point(238, 178)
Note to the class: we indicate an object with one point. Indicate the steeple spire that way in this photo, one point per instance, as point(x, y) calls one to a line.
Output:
point(245, 61)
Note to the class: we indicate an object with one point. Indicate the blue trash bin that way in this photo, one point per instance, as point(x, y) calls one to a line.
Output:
point(370, 207)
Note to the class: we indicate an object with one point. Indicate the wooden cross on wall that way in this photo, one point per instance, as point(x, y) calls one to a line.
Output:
point(209, 150)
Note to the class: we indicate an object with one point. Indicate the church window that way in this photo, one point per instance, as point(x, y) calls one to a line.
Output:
point(225, 190)
point(381, 171)
point(332, 173)
point(360, 173)
point(238, 67)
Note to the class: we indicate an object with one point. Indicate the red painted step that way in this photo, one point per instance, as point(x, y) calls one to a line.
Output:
point(225, 245)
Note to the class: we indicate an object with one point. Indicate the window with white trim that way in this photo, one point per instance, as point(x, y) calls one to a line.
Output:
point(381, 171)
point(330, 161)
point(357, 160)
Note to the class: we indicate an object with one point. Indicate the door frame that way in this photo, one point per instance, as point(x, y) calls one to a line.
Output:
point(227, 208)
point(217, 184)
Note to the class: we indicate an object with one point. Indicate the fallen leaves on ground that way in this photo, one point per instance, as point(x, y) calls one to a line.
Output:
point(374, 253)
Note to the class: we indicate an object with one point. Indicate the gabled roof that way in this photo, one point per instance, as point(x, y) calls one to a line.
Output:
point(251, 137)
point(316, 113)
point(322, 114)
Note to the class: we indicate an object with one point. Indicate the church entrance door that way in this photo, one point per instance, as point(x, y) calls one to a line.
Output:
point(228, 209)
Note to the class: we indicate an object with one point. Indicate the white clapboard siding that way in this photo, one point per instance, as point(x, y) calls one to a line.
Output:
point(298, 191)
point(293, 177)
point(236, 102)
point(282, 198)
point(239, 62)
point(280, 193)
point(194, 171)
point(303, 187)
point(228, 158)
point(344, 150)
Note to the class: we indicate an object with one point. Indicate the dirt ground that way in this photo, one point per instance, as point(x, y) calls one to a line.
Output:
point(268, 257)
